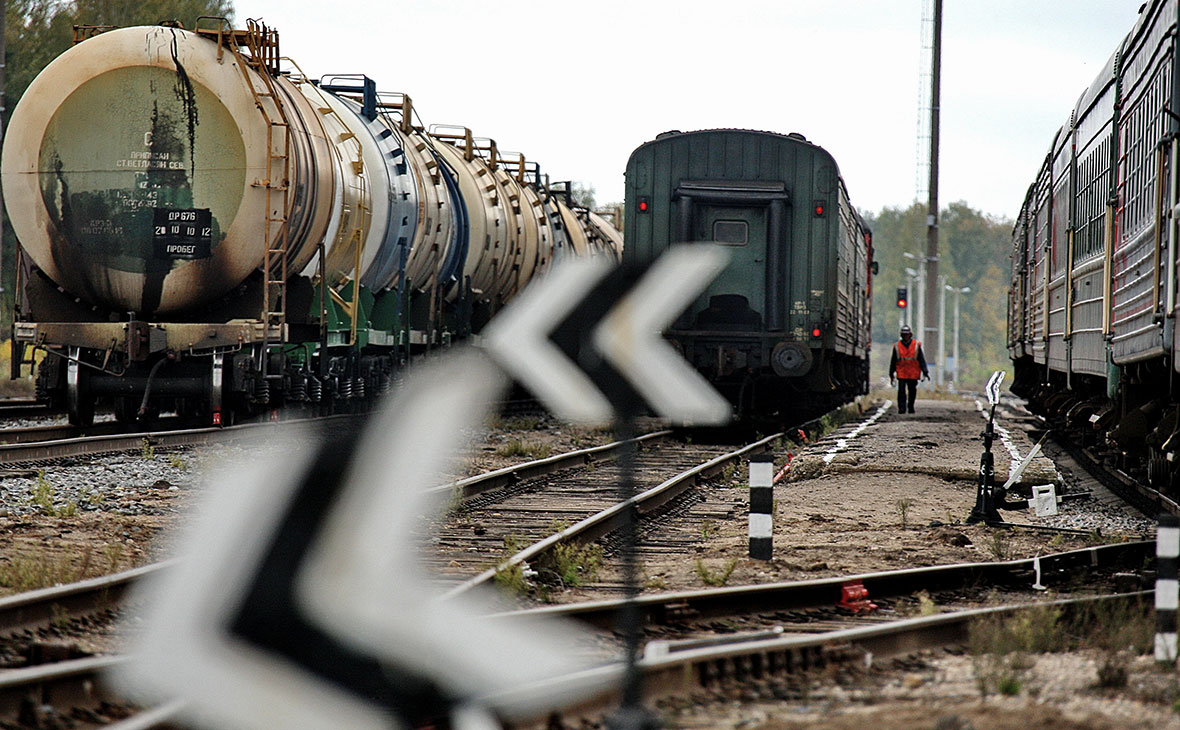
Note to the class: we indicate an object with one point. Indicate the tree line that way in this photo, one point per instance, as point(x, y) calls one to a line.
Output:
point(973, 252)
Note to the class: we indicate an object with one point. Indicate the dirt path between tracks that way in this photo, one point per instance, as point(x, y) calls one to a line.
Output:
point(897, 497)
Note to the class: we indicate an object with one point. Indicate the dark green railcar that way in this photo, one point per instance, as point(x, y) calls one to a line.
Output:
point(784, 331)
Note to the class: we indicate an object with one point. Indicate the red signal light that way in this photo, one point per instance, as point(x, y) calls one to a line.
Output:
point(816, 332)
point(644, 205)
point(819, 207)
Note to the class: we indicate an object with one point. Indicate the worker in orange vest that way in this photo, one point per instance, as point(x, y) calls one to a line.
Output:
point(905, 367)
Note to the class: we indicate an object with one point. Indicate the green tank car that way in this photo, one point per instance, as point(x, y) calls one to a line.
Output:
point(784, 331)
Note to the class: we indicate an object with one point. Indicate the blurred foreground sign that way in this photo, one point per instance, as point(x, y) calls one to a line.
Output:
point(300, 603)
point(611, 357)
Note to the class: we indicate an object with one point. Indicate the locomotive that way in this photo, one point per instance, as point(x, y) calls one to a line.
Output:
point(784, 331)
point(1092, 303)
point(204, 229)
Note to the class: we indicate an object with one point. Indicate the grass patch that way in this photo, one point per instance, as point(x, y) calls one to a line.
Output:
point(28, 573)
point(903, 509)
point(511, 577)
point(655, 583)
point(1000, 545)
point(1002, 647)
point(148, 452)
point(715, 578)
point(31, 572)
point(709, 529)
point(574, 564)
point(517, 447)
point(45, 497)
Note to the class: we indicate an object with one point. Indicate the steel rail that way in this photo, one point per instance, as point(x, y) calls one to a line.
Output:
point(80, 682)
point(689, 671)
point(23, 409)
point(1140, 496)
point(509, 475)
point(73, 683)
point(118, 442)
point(612, 518)
point(662, 608)
point(155, 717)
point(35, 609)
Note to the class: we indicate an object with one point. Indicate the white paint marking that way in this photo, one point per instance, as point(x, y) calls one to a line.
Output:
point(761, 525)
point(1005, 437)
point(1167, 542)
point(842, 443)
point(1165, 647)
point(761, 473)
point(1167, 594)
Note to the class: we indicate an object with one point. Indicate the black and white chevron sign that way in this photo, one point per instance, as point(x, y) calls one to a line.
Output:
point(586, 339)
point(300, 601)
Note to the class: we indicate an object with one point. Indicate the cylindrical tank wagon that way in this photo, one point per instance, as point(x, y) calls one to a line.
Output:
point(202, 230)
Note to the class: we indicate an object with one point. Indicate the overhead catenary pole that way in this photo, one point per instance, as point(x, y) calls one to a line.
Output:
point(932, 333)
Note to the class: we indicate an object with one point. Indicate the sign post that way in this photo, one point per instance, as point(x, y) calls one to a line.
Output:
point(985, 500)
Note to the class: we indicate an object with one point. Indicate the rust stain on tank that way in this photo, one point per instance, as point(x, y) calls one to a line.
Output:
point(188, 101)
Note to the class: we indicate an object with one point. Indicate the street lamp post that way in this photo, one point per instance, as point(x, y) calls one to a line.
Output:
point(942, 288)
point(957, 291)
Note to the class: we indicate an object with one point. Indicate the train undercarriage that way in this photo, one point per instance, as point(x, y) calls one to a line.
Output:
point(216, 387)
point(1132, 419)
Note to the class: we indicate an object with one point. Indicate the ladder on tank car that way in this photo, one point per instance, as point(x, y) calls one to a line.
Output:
point(262, 45)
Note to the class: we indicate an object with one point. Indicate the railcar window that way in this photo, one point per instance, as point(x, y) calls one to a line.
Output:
point(731, 233)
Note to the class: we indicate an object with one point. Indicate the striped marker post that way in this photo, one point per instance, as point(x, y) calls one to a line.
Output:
point(1167, 548)
point(761, 506)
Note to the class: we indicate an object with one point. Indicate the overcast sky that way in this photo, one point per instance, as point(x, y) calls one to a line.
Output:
point(577, 86)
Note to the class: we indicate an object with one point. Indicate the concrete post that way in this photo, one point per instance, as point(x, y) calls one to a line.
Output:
point(761, 506)
point(1167, 548)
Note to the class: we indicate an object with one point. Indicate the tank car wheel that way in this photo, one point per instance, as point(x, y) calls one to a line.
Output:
point(81, 412)
point(79, 401)
point(125, 409)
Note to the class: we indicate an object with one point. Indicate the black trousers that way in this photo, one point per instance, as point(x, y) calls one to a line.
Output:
point(906, 386)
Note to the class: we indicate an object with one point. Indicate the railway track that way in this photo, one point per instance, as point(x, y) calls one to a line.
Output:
point(23, 408)
point(40, 444)
point(513, 530)
point(689, 623)
point(77, 683)
point(693, 669)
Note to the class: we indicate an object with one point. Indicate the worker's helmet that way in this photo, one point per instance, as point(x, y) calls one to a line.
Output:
point(905, 330)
